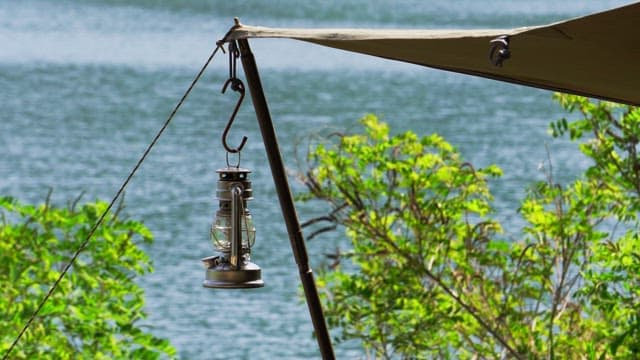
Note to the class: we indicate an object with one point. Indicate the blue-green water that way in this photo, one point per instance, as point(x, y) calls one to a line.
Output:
point(84, 86)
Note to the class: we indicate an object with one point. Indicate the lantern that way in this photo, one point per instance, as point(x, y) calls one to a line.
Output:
point(233, 235)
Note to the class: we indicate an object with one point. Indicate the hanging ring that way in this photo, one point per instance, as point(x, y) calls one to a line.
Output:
point(237, 86)
point(237, 165)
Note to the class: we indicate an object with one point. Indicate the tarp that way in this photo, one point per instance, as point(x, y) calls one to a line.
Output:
point(597, 55)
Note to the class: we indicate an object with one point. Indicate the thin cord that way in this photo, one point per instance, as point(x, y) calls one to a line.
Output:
point(115, 198)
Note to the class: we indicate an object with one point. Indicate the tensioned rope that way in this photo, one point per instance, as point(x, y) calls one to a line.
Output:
point(113, 201)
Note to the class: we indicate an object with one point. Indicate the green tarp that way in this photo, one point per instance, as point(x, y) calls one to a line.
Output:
point(597, 55)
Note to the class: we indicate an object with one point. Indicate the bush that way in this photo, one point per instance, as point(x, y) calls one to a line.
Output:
point(95, 311)
point(430, 274)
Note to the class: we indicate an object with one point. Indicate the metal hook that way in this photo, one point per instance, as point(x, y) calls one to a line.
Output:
point(237, 86)
point(234, 54)
point(499, 51)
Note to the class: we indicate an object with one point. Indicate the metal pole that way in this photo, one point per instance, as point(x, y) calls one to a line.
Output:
point(286, 199)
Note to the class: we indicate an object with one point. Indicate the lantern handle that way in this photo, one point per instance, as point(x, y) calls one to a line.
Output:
point(236, 227)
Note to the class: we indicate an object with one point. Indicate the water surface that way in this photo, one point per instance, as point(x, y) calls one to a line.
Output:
point(86, 84)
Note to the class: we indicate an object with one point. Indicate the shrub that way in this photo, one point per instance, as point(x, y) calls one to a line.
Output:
point(95, 311)
point(430, 274)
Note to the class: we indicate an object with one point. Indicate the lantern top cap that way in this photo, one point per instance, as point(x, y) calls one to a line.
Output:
point(233, 169)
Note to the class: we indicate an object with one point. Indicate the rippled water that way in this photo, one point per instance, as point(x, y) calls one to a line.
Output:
point(85, 85)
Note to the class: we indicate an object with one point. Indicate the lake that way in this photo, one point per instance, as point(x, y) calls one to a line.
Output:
point(86, 85)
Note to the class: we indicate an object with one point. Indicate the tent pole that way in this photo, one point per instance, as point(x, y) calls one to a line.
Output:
point(286, 199)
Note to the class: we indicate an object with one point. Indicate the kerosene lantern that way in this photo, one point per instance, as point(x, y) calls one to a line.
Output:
point(233, 234)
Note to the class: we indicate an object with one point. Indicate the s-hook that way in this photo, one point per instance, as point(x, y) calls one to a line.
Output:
point(237, 86)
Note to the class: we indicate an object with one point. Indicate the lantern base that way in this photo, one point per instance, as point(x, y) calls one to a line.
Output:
point(222, 276)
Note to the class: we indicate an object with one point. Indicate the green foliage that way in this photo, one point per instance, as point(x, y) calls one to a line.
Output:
point(94, 312)
point(430, 274)
point(611, 134)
